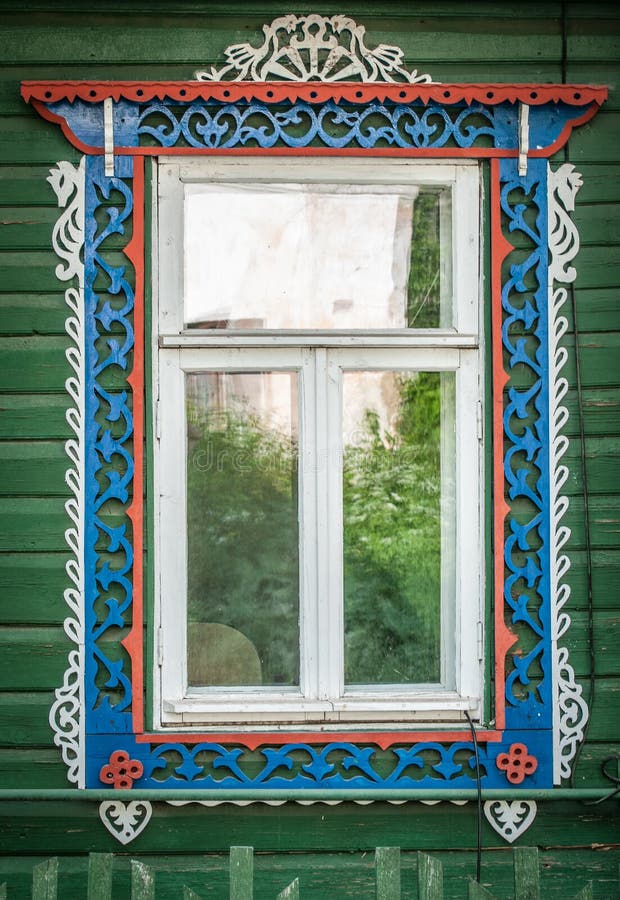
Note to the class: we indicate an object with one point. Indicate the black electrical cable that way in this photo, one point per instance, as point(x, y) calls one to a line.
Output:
point(582, 447)
point(479, 830)
point(613, 778)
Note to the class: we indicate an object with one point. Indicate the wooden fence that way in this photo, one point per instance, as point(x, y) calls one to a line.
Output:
point(387, 879)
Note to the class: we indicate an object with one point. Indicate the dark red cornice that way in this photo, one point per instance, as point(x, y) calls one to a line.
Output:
point(274, 91)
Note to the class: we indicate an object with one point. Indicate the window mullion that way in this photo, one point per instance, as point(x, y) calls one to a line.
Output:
point(309, 633)
point(330, 540)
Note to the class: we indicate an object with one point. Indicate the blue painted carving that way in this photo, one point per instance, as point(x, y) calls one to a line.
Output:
point(217, 125)
point(86, 120)
point(526, 463)
point(301, 124)
point(109, 455)
point(337, 765)
point(109, 459)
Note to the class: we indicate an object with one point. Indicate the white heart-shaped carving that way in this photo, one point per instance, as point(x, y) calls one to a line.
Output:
point(125, 821)
point(510, 818)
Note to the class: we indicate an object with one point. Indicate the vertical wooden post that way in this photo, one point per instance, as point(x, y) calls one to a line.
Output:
point(45, 880)
point(3, 891)
point(430, 878)
point(387, 873)
point(142, 881)
point(475, 891)
point(526, 873)
point(585, 893)
point(291, 892)
point(100, 876)
point(241, 873)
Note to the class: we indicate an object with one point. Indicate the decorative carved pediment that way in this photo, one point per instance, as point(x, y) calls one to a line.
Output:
point(313, 48)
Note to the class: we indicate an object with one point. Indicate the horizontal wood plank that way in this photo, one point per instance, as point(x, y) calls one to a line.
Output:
point(74, 827)
point(20, 646)
point(606, 642)
point(26, 313)
point(32, 769)
point(33, 468)
point(24, 718)
point(35, 416)
point(32, 588)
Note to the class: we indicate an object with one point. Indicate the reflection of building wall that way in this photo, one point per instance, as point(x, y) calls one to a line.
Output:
point(374, 392)
point(271, 398)
point(281, 257)
point(295, 259)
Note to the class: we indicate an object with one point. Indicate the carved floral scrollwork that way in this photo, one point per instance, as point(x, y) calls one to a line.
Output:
point(200, 125)
point(313, 48)
point(66, 713)
point(569, 707)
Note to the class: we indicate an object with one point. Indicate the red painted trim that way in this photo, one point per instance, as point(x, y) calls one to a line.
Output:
point(417, 152)
point(504, 638)
point(489, 94)
point(382, 739)
point(45, 113)
point(133, 643)
point(41, 93)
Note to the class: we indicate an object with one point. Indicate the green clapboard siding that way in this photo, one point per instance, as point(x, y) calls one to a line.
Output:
point(329, 849)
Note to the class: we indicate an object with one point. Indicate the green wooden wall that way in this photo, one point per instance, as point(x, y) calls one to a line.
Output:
point(330, 848)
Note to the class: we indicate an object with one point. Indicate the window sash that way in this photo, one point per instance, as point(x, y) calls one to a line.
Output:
point(463, 179)
point(456, 348)
point(322, 692)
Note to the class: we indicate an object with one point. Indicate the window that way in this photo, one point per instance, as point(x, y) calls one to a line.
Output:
point(318, 438)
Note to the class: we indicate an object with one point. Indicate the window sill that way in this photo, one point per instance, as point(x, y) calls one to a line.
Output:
point(349, 711)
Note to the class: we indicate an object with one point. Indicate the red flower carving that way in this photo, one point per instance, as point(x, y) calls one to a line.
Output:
point(517, 763)
point(121, 771)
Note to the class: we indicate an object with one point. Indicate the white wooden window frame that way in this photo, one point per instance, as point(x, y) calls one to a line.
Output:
point(320, 359)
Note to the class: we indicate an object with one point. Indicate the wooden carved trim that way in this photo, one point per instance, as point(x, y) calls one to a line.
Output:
point(313, 47)
point(67, 713)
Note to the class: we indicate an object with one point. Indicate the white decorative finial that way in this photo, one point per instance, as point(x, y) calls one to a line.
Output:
point(313, 48)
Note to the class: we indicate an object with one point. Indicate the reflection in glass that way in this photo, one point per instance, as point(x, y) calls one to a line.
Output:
point(243, 559)
point(398, 484)
point(317, 256)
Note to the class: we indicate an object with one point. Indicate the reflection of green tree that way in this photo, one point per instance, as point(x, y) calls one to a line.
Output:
point(243, 538)
point(392, 544)
point(423, 289)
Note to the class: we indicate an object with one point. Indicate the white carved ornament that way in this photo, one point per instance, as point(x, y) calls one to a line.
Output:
point(125, 821)
point(65, 715)
point(570, 710)
point(313, 48)
point(510, 818)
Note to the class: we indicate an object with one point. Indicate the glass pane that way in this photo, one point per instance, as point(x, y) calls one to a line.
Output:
point(317, 257)
point(399, 539)
point(243, 544)
point(429, 287)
